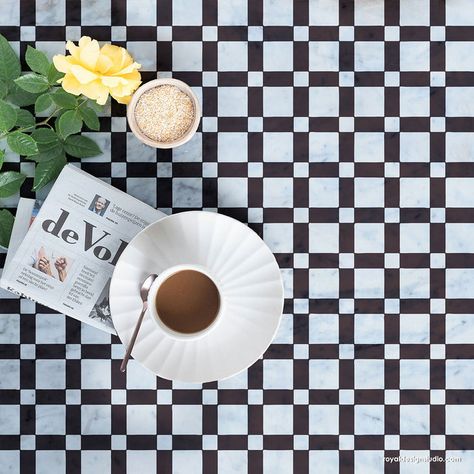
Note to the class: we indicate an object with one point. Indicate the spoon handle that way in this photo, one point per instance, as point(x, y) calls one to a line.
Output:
point(123, 366)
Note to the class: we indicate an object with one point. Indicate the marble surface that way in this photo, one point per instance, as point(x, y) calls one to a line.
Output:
point(342, 133)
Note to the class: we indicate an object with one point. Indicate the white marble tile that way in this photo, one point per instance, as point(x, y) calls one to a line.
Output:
point(414, 56)
point(232, 101)
point(279, 237)
point(278, 374)
point(277, 13)
point(369, 56)
point(187, 12)
point(459, 329)
point(95, 419)
point(232, 147)
point(415, 192)
point(277, 101)
point(139, 462)
point(324, 283)
point(323, 12)
point(323, 147)
point(414, 12)
point(414, 283)
point(369, 420)
point(414, 328)
point(95, 374)
point(324, 238)
point(9, 329)
point(10, 370)
point(232, 462)
point(368, 12)
point(414, 374)
point(278, 419)
point(141, 419)
point(369, 147)
point(50, 374)
point(143, 189)
point(187, 192)
point(369, 238)
point(50, 12)
point(187, 56)
point(369, 374)
point(278, 56)
point(232, 13)
point(323, 329)
point(459, 282)
point(278, 147)
point(98, 461)
point(459, 101)
point(323, 419)
point(277, 192)
point(47, 458)
point(232, 56)
point(99, 12)
point(141, 12)
point(50, 420)
point(323, 56)
point(323, 101)
point(323, 374)
point(232, 192)
point(414, 419)
point(231, 419)
point(459, 419)
point(459, 13)
point(459, 374)
point(10, 13)
point(369, 329)
point(323, 461)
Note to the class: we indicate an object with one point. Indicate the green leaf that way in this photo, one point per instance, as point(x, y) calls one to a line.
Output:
point(20, 97)
point(47, 171)
point(80, 146)
point(10, 67)
point(44, 135)
point(25, 119)
point(33, 83)
point(49, 149)
point(3, 89)
point(42, 103)
point(54, 75)
point(10, 183)
point(90, 117)
point(22, 144)
point(64, 99)
point(68, 124)
point(37, 61)
point(8, 116)
point(2, 158)
point(6, 226)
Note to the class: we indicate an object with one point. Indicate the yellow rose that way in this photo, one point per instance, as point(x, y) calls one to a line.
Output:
point(97, 72)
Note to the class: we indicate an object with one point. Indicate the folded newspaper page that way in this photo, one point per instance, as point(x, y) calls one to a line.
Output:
point(67, 257)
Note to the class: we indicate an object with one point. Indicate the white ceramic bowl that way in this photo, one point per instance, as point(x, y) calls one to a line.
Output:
point(245, 272)
point(182, 86)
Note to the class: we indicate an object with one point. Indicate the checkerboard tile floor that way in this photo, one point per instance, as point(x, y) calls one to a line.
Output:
point(342, 132)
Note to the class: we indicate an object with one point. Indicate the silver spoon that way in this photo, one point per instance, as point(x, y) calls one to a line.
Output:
point(145, 288)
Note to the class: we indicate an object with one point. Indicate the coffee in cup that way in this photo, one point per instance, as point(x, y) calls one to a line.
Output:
point(187, 301)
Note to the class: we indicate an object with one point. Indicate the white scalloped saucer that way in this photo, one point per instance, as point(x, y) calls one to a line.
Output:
point(248, 279)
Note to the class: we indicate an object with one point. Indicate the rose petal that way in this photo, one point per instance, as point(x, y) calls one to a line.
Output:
point(63, 63)
point(71, 84)
point(128, 69)
point(89, 54)
point(83, 75)
point(104, 63)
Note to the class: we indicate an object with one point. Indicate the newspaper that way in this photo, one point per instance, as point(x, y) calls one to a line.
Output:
point(75, 238)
